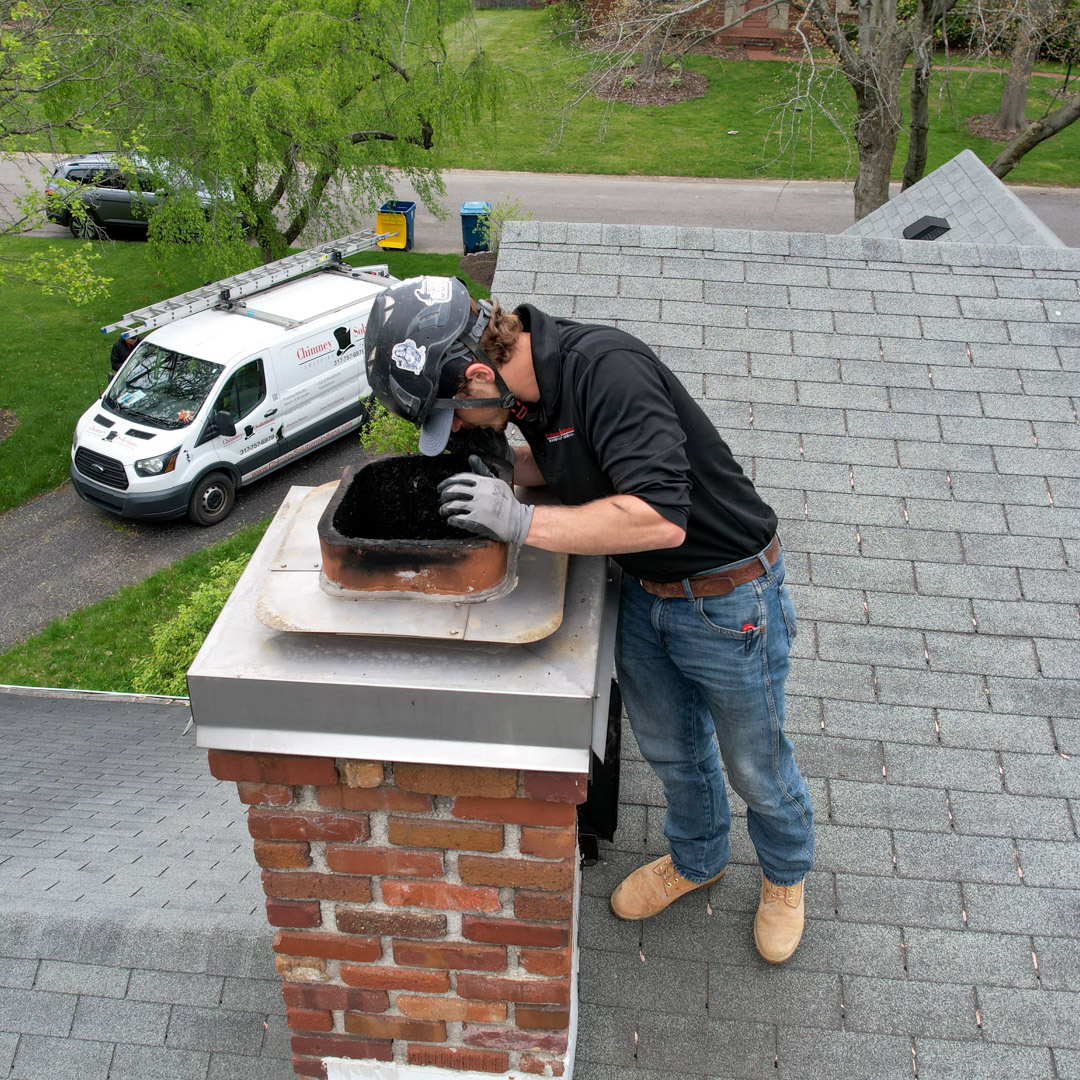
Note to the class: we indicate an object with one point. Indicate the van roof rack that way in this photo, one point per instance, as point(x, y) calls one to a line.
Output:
point(328, 256)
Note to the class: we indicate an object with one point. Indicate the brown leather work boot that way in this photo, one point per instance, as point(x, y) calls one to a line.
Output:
point(778, 925)
point(649, 889)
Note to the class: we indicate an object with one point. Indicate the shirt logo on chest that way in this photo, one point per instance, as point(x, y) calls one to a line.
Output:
point(558, 436)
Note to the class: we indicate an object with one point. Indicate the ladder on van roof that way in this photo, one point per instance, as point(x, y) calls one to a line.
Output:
point(228, 291)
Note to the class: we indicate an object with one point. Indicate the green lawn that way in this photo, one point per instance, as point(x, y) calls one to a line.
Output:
point(98, 646)
point(691, 139)
point(55, 360)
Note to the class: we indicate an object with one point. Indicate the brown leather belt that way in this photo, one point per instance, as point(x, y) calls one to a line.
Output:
point(720, 583)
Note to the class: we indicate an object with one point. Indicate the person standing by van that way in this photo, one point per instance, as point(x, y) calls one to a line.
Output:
point(122, 348)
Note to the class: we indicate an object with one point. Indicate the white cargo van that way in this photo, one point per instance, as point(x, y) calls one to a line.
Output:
point(230, 382)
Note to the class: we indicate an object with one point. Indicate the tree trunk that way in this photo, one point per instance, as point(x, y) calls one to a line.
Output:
point(1012, 112)
point(1036, 132)
point(878, 120)
point(651, 49)
point(915, 166)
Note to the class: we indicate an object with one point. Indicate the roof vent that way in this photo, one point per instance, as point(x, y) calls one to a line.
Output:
point(926, 228)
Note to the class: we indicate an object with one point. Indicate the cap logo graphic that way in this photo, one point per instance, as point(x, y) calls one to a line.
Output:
point(433, 291)
point(409, 356)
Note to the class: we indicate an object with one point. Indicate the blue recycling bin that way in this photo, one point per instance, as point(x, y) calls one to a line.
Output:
point(472, 225)
point(396, 217)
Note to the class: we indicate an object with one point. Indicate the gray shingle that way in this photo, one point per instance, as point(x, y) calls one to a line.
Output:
point(888, 806)
point(1042, 774)
point(969, 958)
point(892, 1007)
point(842, 1054)
point(872, 720)
point(746, 1047)
point(215, 1030)
point(1019, 909)
point(157, 1063)
point(34, 1012)
point(984, 731)
point(41, 1058)
point(904, 901)
point(94, 979)
point(985, 814)
point(949, 857)
point(1041, 1017)
point(949, 1060)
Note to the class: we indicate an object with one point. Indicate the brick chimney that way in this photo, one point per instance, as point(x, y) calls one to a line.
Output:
point(426, 913)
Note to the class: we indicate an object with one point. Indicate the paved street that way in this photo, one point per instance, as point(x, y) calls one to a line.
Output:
point(795, 206)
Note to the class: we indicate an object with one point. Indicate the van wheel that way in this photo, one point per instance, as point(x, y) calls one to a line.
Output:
point(212, 499)
point(86, 227)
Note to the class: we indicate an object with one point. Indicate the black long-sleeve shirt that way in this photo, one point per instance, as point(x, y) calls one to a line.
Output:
point(612, 419)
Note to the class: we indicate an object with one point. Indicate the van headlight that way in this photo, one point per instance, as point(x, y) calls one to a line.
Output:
point(155, 466)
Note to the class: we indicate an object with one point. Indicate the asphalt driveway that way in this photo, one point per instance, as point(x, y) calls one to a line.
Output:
point(58, 553)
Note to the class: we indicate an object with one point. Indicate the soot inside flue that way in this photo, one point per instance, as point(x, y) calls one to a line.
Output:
point(397, 498)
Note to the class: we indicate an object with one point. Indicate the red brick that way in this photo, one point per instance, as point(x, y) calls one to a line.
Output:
point(308, 1067)
point(385, 977)
point(287, 885)
point(532, 1018)
point(556, 787)
point(283, 854)
point(450, 1008)
point(264, 794)
point(491, 1038)
point(395, 1027)
point(393, 923)
point(309, 1019)
point(361, 774)
point(329, 946)
point(548, 843)
point(515, 811)
point(336, 1045)
point(414, 832)
point(545, 961)
point(517, 873)
point(271, 768)
point(297, 914)
point(548, 907)
point(493, 988)
point(514, 932)
point(306, 825)
point(453, 1057)
point(307, 969)
point(440, 896)
point(537, 1066)
point(384, 798)
point(331, 996)
point(455, 956)
point(455, 780)
point(380, 861)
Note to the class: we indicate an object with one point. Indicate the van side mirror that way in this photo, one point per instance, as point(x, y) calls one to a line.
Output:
point(224, 422)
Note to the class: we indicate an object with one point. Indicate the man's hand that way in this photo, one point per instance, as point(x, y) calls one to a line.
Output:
point(484, 505)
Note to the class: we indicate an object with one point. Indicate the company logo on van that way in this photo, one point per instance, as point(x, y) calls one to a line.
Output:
point(306, 352)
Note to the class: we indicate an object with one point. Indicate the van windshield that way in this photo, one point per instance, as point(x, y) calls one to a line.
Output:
point(161, 387)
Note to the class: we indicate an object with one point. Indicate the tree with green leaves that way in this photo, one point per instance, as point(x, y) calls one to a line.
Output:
point(66, 68)
point(296, 115)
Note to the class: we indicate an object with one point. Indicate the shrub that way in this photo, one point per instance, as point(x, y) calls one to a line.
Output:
point(491, 225)
point(174, 643)
point(385, 433)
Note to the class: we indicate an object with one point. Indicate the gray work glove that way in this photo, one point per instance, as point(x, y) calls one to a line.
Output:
point(480, 503)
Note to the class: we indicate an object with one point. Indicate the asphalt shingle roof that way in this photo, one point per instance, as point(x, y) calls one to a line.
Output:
point(910, 410)
point(979, 208)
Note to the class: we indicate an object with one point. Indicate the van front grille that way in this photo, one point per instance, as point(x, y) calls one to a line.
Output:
point(105, 470)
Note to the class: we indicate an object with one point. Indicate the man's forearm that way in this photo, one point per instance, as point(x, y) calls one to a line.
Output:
point(612, 526)
point(526, 472)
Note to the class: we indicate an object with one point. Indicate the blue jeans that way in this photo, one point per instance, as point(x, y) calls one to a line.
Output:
point(688, 670)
